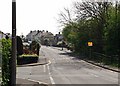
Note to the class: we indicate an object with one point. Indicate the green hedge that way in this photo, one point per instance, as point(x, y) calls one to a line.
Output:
point(6, 48)
point(27, 59)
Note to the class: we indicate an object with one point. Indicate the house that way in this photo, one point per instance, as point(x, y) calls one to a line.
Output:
point(49, 37)
point(31, 35)
point(41, 37)
point(58, 37)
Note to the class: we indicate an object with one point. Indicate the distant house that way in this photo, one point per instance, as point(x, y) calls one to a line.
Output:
point(48, 36)
point(41, 36)
point(31, 35)
point(58, 37)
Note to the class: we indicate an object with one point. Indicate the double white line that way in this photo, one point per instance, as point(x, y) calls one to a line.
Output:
point(50, 75)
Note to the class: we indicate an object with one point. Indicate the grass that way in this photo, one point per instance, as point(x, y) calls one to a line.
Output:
point(29, 55)
point(27, 59)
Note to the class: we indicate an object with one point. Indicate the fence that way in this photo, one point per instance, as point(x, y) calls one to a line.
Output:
point(105, 59)
point(101, 58)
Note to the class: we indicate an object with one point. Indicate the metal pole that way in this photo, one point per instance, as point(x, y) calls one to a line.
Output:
point(90, 53)
point(13, 58)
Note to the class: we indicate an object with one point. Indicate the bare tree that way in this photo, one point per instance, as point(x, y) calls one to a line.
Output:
point(65, 17)
point(86, 10)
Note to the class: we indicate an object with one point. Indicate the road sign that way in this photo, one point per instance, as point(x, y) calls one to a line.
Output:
point(90, 44)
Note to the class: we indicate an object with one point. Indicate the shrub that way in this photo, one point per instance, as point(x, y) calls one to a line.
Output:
point(27, 59)
point(34, 47)
point(19, 46)
point(6, 54)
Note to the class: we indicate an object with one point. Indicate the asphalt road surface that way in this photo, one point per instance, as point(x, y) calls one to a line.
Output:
point(66, 69)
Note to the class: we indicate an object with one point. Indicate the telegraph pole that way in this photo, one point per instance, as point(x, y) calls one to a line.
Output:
point(13, 58)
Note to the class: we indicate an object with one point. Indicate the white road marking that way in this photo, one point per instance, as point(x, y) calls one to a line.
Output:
point(52, 81)
point(94, 75)
point(44, 68)
point(53, 60)
point(31, 71)
point(50, 76)
point(37, 81)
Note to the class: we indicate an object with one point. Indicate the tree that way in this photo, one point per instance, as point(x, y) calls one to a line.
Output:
point(95, 21)
point(65, 17)
point(111, 32)
point(97, 12)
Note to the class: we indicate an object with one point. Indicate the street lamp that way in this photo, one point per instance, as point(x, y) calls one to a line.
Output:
point(14, 48)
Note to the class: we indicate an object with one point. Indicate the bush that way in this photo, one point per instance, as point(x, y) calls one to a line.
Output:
point(27, 59)
point(34, 47)
point(6, 48)
point(19, 46)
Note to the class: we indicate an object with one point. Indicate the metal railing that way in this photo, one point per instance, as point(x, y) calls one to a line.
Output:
point(101, 58)
point(105, 59)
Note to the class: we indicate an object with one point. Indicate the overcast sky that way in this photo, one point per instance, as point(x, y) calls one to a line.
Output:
point(32, 15)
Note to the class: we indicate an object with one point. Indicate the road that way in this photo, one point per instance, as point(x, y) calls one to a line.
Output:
point(66, 69)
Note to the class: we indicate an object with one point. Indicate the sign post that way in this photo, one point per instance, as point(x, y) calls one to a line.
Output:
point(90, 44)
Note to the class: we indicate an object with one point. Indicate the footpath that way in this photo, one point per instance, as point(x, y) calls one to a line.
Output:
point(26, 82)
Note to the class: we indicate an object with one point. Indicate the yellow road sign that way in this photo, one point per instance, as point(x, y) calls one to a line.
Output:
point(90, 43)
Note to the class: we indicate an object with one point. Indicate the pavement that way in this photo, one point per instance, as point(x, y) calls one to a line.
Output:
point(115, 69)
point(25, 82)
point(42, 61)
point(28, 82)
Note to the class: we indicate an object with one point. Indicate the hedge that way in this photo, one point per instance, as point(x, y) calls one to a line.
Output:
point(6, 48)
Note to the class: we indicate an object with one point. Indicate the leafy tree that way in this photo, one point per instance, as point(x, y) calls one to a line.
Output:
point(96, 11)
point(111, 31)
point(98, 22)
